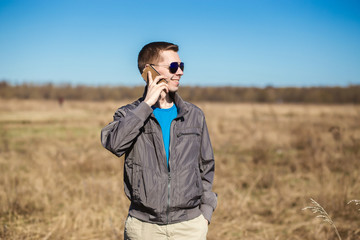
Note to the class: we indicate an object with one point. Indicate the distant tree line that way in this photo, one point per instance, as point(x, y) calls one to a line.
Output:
point(324, 95)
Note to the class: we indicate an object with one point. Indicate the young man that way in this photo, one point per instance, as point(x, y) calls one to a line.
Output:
point(169, 161)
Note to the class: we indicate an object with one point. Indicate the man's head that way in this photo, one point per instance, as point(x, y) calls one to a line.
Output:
point(161, 55)
point(150, 53)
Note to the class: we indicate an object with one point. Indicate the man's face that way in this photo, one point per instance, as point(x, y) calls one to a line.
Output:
point(167, 57)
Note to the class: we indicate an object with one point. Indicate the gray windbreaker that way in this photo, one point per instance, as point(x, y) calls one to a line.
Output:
point(157, 194)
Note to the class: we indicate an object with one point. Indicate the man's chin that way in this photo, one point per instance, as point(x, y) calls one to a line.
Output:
point(173, 90)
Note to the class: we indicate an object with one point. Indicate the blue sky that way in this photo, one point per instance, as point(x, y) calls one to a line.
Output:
point(232, 43)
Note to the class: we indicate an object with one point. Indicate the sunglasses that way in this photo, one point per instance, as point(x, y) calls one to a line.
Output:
point(173, 66)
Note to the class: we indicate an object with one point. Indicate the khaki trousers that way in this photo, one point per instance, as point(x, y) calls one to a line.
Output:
point(194, 229)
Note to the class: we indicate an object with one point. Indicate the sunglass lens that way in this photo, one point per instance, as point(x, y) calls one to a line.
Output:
point(182, 66)
point(173, 67)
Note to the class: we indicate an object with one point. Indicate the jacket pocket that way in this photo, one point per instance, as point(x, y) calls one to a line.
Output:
point(136, 182)
point(148, 136)
point(146, 188)
point(189, 188)
point(188, 134)
point(128, 177)
point(187, 147)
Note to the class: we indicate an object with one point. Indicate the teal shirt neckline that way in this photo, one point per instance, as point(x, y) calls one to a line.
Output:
point(165, 116)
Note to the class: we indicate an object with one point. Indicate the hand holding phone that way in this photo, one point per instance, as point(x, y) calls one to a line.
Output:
point(154, 74)
point(154, 89)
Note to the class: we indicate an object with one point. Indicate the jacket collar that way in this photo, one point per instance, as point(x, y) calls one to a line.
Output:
point(180, 104)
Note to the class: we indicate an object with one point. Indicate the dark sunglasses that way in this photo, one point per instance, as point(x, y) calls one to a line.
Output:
point(173, 66)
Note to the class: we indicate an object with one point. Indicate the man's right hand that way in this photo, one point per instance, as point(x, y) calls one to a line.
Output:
point(154, 90)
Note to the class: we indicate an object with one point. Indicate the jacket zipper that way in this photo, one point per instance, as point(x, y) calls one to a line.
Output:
point(168, 168)
point(168, 202)
point(169, 176)
point(190, 133)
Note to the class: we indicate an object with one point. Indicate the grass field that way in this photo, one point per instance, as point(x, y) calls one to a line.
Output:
point(57, 182)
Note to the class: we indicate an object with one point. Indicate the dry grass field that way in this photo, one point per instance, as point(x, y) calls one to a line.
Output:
point(57, 182)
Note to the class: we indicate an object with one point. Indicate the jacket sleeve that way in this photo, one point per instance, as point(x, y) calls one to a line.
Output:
point(207, 167)
point(119, 135)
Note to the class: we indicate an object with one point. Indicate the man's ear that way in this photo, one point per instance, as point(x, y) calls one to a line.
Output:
point(146, 65)
point(142, 74)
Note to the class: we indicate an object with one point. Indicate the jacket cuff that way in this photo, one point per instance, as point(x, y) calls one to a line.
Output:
point(143, 110)
point(206, 211)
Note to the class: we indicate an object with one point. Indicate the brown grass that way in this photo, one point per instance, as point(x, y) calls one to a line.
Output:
point(57, 182)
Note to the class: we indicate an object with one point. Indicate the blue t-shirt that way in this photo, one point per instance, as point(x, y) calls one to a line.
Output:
point(164, 116)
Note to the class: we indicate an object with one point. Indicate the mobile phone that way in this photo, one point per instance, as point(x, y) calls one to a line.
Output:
point(154, 74)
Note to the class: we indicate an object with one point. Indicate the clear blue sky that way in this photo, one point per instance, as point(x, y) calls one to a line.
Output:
point(237, 42)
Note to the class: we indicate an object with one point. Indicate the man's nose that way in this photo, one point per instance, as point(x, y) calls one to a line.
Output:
point(179, 72)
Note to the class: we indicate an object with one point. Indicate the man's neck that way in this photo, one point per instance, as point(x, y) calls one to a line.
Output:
point(165, 101)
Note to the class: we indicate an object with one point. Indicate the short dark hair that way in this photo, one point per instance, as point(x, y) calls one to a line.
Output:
point(150, 53)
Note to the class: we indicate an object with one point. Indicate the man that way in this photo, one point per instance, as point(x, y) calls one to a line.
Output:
point(169, 161)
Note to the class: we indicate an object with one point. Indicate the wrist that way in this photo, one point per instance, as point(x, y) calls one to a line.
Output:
point(148, 103)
